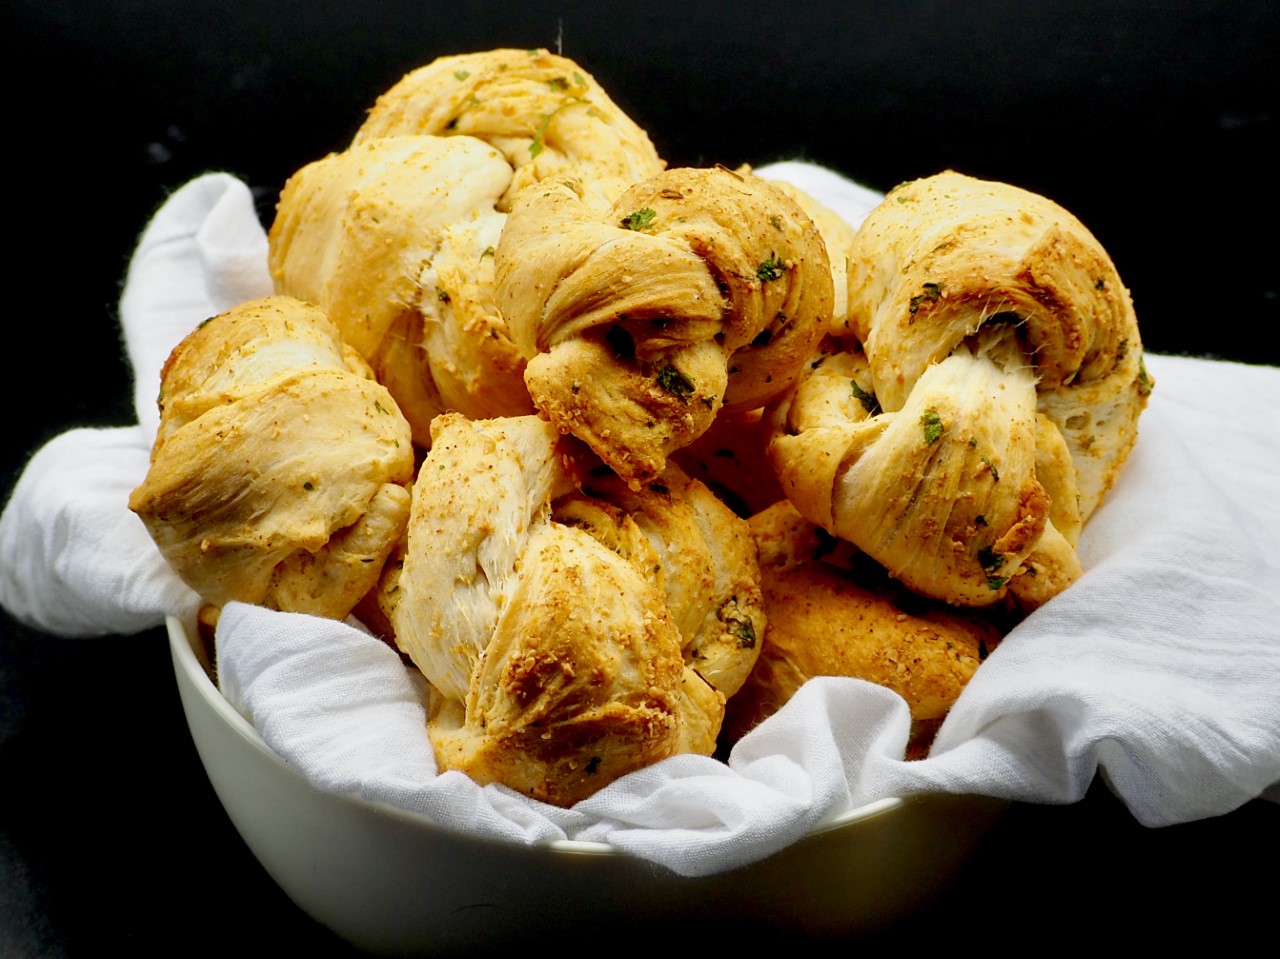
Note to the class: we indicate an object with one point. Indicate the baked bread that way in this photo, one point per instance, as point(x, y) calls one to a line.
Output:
point(700, 290)
point(394, 239)
point(277, 476)
point(831, 613)
point(572, 629)
point(730, 459)
point(837, 236)
point(547, 116)
point(980, 402)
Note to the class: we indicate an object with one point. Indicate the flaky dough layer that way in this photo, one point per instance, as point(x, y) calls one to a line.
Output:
point(574, 629)
point(981, 401)
point(278, 474)
point(699, 290)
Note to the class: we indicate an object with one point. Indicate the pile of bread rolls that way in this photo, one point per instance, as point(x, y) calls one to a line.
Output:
point(619, 456)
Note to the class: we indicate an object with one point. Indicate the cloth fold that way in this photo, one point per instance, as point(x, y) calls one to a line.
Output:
point(1156, 670)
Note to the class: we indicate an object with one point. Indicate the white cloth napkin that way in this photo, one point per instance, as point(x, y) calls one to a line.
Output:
point(1158, 669)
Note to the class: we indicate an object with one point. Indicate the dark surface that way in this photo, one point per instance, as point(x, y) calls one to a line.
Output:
point(1153, 122)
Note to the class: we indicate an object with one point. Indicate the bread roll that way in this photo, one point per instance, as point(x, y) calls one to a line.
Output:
point(394, 239)
point(278, 473)
point(983, 398)
point(831, 615)
point(700, 290)
point(547, 116)
point(571, 635)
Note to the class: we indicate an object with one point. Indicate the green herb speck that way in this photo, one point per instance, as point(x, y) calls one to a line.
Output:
point(932, 291)
point(1145, 383)
point(674, 382)
point(868, 400)
point(931, 422)
point(638, 219)
point(745, 631)
point(771, 269)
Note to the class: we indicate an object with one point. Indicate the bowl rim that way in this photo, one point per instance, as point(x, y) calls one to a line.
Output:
point(182, 639)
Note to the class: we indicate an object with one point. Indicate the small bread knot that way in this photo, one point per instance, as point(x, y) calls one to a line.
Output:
point(698, 290)
point(979, 402)
point(279, 471)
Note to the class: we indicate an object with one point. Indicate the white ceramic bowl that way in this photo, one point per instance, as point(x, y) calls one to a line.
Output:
point(391, 881)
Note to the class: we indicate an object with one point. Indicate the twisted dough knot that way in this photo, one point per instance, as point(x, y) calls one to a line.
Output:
point(394, 239)
point(833, 613)
point(571, 635)
point(993, 398)
point(546, 115)
point(697, 290)
point(278, 474)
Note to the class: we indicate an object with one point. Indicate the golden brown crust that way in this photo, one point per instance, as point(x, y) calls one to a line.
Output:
point(826, 620)
point(946, 255)
point(278, 473)
point(837, 236)
point(545, 113)
point(700, 289)
point(944, 433)
point(394, 238)
point(730, 459)
point(572, 635)
point(695, 550)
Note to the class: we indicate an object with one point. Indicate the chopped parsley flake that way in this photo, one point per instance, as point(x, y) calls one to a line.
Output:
point(990, 559)
point(868, 400)
point(932, 291)
point(461, 74)
point(991, 562)
point(674, 382)
point(745, 632)
point(539, 144)
point(931, 422)
point(638, 220)
point(771, 269)
point(1145, 383)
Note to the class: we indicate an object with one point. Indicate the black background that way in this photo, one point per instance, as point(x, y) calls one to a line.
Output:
point(1153, 121)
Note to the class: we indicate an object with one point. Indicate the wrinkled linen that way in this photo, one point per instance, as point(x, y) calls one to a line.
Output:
point(1156, 670)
